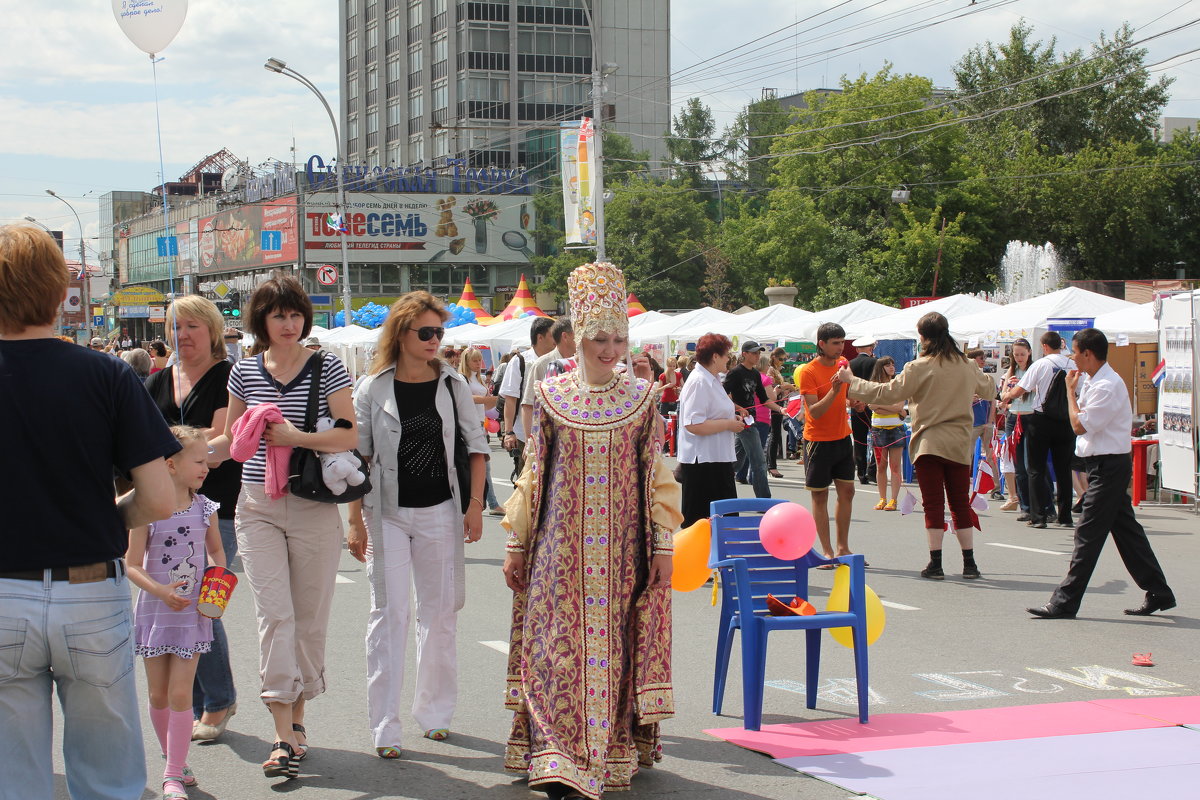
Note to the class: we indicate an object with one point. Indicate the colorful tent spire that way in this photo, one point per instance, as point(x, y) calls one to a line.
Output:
point(635, 306)
point(523, 302)
point(469, 301)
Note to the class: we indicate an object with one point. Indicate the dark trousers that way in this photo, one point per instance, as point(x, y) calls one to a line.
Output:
point(775, 442)
point(703, 483)
point(942, 480)
point(1053, 437)
point(750, 447)
point(860, 426)
point(1107, 507)
point(1010, 425)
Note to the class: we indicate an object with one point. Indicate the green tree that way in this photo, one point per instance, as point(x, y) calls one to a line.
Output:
point(747, 142)
point(1106, 95)
point(691, 142)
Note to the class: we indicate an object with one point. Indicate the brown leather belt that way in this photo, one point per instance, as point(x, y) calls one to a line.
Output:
point(83, 573)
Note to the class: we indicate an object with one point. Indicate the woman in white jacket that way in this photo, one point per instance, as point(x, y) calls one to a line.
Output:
point(410, 410)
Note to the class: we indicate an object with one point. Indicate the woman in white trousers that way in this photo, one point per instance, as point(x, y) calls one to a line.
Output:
point(411, 528)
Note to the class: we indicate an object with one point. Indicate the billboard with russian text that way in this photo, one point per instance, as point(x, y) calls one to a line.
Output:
point(231, 239)
point(420, 228)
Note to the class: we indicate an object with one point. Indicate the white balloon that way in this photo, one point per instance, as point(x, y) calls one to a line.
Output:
point(150, 24)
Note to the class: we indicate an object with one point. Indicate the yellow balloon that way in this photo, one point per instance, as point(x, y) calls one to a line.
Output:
point(839, 600)
point(690, 561)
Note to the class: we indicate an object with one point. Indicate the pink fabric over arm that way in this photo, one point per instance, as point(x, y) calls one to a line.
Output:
point(248, 429)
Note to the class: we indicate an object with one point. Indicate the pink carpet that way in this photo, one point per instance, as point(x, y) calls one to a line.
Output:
point(891, 731)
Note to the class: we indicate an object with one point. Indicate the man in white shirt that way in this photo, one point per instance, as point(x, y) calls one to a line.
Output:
point(563, 335)
point(1103, 418)
point(514, 384)
point(1047, 434)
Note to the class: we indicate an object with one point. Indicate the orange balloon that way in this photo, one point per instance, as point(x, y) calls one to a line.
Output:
point(692, 545)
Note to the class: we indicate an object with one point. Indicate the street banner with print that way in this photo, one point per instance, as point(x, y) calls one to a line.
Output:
point(578, 174)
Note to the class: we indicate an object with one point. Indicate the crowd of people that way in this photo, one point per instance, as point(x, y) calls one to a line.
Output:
point(202, 449)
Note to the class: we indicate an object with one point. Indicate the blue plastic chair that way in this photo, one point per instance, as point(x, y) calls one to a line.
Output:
point(748, 574)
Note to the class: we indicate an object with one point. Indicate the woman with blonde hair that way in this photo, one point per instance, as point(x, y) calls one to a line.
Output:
point(887, 437)
point(411, 408)
point(194, 391)
point(471, 368)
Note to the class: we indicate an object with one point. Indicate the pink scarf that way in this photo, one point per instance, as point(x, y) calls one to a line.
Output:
point(247, 431)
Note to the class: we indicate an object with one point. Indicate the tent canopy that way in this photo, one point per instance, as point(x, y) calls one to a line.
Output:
point(351, 334)
point(1022, 319)
point(902, 324)
point(1138, 323)
point(710, 319)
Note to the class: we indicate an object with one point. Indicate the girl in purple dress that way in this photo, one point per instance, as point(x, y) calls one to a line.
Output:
point(166, 560)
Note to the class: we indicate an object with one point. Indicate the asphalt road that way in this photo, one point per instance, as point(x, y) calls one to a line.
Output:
point(948, 645)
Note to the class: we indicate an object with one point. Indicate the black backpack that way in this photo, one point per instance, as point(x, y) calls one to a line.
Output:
point(1054, 405)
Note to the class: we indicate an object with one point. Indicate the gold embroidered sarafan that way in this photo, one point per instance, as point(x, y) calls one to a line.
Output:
point(577, 404)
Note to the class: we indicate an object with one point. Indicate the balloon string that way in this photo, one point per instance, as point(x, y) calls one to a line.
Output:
point(173, 334)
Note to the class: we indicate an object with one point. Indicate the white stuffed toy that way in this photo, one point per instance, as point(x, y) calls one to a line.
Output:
point(339, 470)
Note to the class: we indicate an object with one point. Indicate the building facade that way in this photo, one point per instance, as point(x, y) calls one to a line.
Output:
point(488, 82)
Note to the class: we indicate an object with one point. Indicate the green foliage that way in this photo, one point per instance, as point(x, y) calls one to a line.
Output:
point(692, 139)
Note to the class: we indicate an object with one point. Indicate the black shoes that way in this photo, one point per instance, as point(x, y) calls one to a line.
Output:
point(1150, 605)
point(1049, 612)
point(1024, 517)
point(933, 573)
point(1037, 522)
point(1066, 522)
point(1078, 507)
point(971, 572)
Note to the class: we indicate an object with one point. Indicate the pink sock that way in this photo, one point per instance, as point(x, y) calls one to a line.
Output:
point(179, 738)
point(159, 718)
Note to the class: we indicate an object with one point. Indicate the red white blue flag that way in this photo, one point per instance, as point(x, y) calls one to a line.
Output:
point(1159, 373)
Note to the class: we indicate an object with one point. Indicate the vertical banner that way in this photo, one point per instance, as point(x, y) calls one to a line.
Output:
point(578, 172)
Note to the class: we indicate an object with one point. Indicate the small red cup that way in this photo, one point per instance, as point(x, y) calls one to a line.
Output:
point(215, 590)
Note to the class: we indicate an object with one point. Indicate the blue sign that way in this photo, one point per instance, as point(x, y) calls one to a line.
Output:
point(321, 300)
point(97, 322)
point(168, 246)
point(1069, 324)
point(272, 241)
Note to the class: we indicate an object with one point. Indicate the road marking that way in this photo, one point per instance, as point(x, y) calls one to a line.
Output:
point(1028, 549)
point(899, 606)
point(501, 647)
point(342, 579)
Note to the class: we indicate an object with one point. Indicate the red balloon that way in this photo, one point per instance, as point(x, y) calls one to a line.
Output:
point(491, 425)
point(787, 531)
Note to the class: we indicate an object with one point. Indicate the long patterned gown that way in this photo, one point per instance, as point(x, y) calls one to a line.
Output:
point(589, 670)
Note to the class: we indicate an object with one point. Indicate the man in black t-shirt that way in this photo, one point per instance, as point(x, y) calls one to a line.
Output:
point(862, 365)
point(72, 416)
point(744, 385)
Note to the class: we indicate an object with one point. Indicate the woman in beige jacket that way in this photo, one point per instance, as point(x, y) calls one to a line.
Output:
point(939, 386)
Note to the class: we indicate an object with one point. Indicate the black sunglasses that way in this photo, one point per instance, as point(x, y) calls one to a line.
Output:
point(429, 332)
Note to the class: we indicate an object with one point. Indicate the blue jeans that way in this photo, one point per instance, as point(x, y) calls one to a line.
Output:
point(750, 449)
point(212, 689)
point(80, 636)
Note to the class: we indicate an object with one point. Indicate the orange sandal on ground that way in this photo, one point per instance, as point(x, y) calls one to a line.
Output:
point(1142, 660)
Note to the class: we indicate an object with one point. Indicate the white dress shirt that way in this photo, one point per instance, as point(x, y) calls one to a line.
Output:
point(704, 398)
point(1105, 413)
point(1036, 379)
point(511, 387)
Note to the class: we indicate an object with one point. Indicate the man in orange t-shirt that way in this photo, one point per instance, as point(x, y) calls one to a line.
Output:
point(828, 445)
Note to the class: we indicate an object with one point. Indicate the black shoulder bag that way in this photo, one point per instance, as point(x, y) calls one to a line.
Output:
point(462, 456)
point(304, 475)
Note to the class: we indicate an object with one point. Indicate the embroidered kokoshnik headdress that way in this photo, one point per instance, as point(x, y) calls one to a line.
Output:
point(597, 297)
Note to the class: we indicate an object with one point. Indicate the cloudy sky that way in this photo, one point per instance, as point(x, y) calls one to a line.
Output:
point(77, 110)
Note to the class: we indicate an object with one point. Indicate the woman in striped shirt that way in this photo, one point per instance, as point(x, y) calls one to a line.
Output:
point(290, 546)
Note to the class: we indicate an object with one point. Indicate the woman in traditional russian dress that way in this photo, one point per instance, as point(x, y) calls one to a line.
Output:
point(589, 561)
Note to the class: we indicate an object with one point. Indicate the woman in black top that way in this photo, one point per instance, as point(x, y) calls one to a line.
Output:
point(410, 410)
point(194, 392)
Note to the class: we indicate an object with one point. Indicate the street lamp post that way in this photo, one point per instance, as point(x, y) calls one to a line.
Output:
point(275, 65)
point(85, 275)
point(599, 73)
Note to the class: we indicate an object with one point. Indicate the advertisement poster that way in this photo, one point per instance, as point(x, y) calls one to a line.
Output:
point(230, 240)
point(421, 228)
point(578, 172)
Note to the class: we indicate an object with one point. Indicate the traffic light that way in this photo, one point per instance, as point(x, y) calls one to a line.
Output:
point(231, 306)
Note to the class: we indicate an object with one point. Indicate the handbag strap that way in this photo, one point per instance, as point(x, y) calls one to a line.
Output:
point(314, 388)
point(453, 405)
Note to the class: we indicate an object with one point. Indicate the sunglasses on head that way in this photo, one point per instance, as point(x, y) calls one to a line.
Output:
point(429, 332)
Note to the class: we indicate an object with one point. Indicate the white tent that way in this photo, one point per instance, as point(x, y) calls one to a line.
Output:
point(902, 324)
point(463, 335)
point(707, 319)
point(806, 330)
point(351, 334)
point(1138, 323)
point(645, 319)
point(1023, 319)
point(771, 318)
